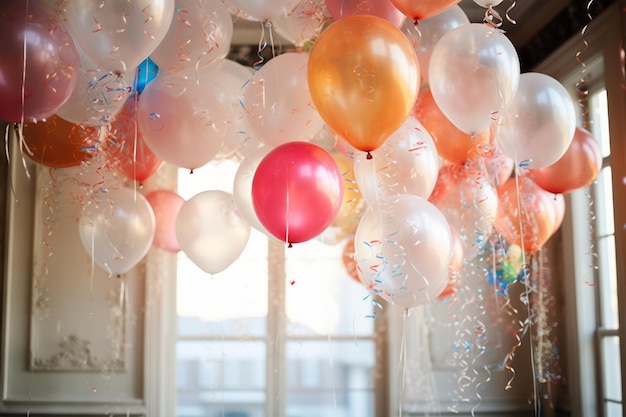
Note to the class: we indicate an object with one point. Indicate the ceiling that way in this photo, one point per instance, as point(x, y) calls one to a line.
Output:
point(530, 16)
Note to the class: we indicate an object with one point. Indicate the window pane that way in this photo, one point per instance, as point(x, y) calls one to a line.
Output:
point(220, 378)
point(611, 368)
point(233, 302)
point(608, 282)
point(321, 296)
point(330, 378)
point(613, 410)
point(604, 203)
point(599, 115)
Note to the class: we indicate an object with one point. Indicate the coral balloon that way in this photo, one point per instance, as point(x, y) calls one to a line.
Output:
point(577, 168)
point(381, 8)
point(527, 214)
point(116, 229)
point(453, 145)
point(468, 201)
point(364, 92)
point(35, 86)
point(297, 191)
point(126, 148)
point(57, 143)
point(539, 124)
point(116, 34)
point(278, 103)
point(210, 231)
point(166, 205)
point(403, 252)
point(182, 120)
point(423, 9)
point(473, 74)
point(200, 33)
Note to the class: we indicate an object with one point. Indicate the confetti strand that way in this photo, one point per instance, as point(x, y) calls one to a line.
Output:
point(508, 11)
point(582, 84)
point(492, 18)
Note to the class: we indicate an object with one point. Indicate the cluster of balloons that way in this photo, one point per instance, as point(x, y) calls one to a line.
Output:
point(414, 147)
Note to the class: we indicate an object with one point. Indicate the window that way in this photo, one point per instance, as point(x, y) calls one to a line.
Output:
point(281, 332)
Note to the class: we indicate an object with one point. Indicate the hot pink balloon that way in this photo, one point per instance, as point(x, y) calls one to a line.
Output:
point(380, 8)
point(52, 63)
point(166, 204)
point(297, 191)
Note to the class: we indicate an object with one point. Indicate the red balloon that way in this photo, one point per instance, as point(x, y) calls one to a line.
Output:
point(166, 204)
point(380, 8)
point(126, 147)
point(36, 86)
point(297, 191)
point(528, 216)
point(423, 9)
point(577, 168)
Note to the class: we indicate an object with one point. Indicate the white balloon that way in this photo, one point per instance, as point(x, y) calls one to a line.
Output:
point(539, 125)
point(117, 229)
point(210, 231)
point(473, 75)
point(118, 34)
point(488, 3)
point(260, 9)
point(242, 186)
point(403, 251)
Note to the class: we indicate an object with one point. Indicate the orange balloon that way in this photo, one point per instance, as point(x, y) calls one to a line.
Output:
point(540, 216)
point(423, 9)
point(363, 78)
point(452, 144)
point(57, 143)
point(577, 168)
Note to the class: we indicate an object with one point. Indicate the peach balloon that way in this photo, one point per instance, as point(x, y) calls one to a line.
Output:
point(363, 77)
point(423, 9)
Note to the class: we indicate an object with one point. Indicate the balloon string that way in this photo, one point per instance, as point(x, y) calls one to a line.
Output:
point(23, 86)
point(332, 373)
point(508, 11)
point(402, 360)
point(492, 18)
point(581, 85)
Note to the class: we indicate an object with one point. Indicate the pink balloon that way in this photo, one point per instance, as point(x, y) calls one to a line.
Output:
point(380, 8)
point(41, 87)
point(166, 205)
point(297, 191)
point(182, 120)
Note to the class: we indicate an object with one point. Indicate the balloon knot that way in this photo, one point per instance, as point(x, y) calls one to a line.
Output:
point(191, 171)
point(118, 276)
point(290, 245)
point(369, 155)
point(416, 23)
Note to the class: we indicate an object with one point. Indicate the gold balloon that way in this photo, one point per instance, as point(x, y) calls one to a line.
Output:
point(352, 204)
point(363, 77)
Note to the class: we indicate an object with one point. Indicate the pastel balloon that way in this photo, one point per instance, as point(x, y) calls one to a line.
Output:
point(539, 124)
point(297, 191)
point(261, 9)
point(181, 120)
point(116, 34)
point(527, 214)
point(488, 3)
point(453, 145)
point(210, 231)
point(362, 91)
point(116, 229)
point(166, 205)
point(577, 168)
point(125, 145)
point(473, 75)
point(381, 8)
point(403, 252)
point(302, 23)
point(39, 62)
point(57, 143)
point(467, 199)
point(200, 33)
point(423, 9)
point(431, 30)
point(277, 101)
point(407, 163)
point(242, 186)
point(98, 95)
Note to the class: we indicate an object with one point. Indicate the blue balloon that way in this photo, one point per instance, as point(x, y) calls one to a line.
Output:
point(146, 72)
